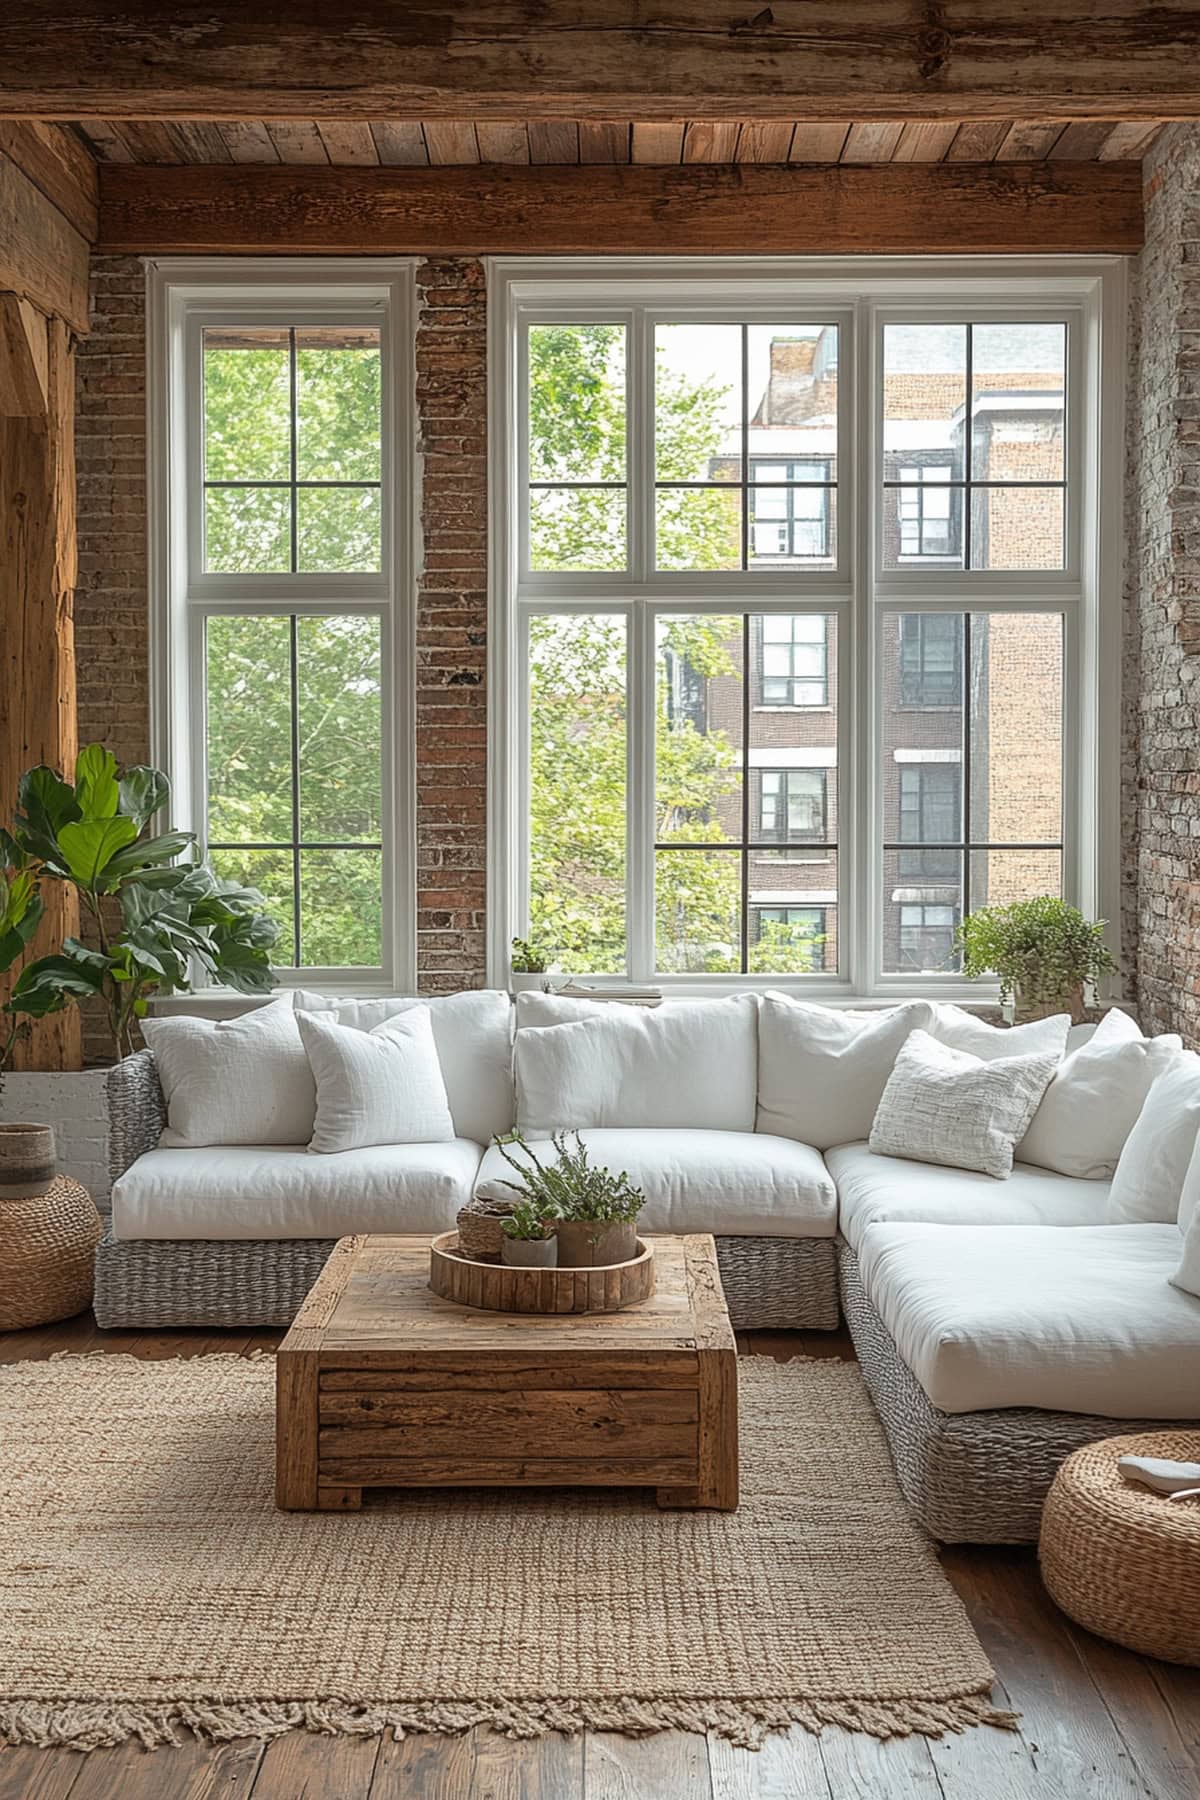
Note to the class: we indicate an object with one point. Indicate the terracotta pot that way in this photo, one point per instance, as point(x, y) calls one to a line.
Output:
point(1025, 1012)
point(27, 1161)
point(595, 1243)
point(529, 1253)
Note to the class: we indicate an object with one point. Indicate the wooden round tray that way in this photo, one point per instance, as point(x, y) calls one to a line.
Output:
point(496, 1288)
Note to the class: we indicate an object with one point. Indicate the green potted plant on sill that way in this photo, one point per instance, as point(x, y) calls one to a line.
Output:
point(527, 965)
point(528, 1240)
point(1046, 954)
point(594, 1211)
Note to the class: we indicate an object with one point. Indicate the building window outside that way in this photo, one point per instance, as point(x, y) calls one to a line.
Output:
point(685, 592)
point(803, 929)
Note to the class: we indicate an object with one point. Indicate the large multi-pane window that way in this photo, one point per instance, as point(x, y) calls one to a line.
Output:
point(283, 544)
point(789, 569)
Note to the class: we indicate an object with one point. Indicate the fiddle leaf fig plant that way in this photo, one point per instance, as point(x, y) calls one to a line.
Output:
point(1044, 952)
point(158, 913)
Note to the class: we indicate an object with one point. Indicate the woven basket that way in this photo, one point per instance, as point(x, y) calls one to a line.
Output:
point(479, 1235)
point(1123, 1561)
point(47, 1255)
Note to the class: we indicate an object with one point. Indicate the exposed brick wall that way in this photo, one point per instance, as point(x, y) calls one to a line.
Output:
point(1161, 813)
point(452, 625)
point(111, 608)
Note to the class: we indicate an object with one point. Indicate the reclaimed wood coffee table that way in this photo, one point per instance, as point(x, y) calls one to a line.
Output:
point(381, 1383)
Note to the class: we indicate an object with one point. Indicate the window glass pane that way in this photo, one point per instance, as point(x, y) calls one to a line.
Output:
point(922, 523)
point(338, 530)
point(577, 528)
point(924, 397)
point(248, 710)
point(698, 402)
point(576, 403)
point(1018, 382)
point(698, 528)
point(1016, 728)
point(247, 404)
point(270, 871)
point(698, 733)
point(1017, 528)
point(698, 911)
point(999, 877)
point(247, 530)
point(793, 928)
point(337, 404)
point(792, 399)
point(921, 913)
point(577, 854)
point(341, 909)
point(792, 527)
point(339, 731)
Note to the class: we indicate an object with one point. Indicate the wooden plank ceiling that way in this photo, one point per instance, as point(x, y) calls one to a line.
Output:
point(445, 142)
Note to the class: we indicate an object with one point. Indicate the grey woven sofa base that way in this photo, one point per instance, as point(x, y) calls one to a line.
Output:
point(144, 1283)
point(971, 1478)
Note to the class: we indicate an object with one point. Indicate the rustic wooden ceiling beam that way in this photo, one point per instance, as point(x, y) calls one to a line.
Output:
point(601, 59)
point(692, 208)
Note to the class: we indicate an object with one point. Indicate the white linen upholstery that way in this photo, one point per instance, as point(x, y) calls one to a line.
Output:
point(961, 1030)
point(946, 1106)
point(1098, 1090)
point(231, 1192)
point(875, 1188)
point(382, 1086)
point(1080, 1320)
point(1187, 1276)
point(473, 1034)
point(1148, 1184)
point(736, 1183)
point(234, 1081)
point(821, 1071)
point(691, 1065)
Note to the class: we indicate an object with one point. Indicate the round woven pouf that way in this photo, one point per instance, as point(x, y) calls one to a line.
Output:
point(47, 1255)
point(1119, 1559)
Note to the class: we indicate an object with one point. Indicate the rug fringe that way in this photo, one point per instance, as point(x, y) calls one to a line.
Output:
point(92, 1725)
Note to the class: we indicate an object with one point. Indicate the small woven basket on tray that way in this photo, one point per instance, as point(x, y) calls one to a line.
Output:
point(479, 1228)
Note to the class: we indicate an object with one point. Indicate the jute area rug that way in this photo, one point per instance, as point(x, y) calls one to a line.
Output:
point(147, 1582)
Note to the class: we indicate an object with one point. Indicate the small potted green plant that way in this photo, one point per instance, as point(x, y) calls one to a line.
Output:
point(594, 1211)
point(528, 967)
point(528, 1241)
point(1045, 953)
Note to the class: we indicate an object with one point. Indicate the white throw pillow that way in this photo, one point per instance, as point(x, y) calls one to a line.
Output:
point(1097, 1093)
point(961, 1030)
point(1189, 1194)
point(1187, 1275)
point(946, 1106)
point(473, 1034)
point(233, 1081)
point(376, 1087)
point(822, 1071)
point(691, 1065)
point(1148, 1184)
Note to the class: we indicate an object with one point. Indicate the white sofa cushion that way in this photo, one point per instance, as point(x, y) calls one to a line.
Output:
point(1187, 1275)
point(961, 1030)
point(1097, 1092)
point(1148, 1184)
point(1079, 1320)
point(872, 1188)
point(822, 1071)
point(473, 1034)
point(238, 1193)
point(234, 1081)
point(736, 1183)
point(692, 1065)
point(947, 1106)
point(376, 1087)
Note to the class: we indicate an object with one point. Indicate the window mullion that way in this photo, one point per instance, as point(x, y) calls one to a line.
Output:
point(640, 809)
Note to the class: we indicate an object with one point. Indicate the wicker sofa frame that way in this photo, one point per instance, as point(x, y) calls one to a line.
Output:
point(971, 1478)
point(150, 1283)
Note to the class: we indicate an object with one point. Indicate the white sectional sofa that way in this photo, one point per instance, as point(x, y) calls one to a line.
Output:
point(999, 1322)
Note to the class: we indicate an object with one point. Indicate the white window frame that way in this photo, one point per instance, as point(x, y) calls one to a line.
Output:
point(183, 296)
point(861, 295)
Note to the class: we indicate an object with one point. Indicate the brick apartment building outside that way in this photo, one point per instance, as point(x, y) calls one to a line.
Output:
point(971, 737)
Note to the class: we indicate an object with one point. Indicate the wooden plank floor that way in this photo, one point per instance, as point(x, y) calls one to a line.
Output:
point(1097, 1723)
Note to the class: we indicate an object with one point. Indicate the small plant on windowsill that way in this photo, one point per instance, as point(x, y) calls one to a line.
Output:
point(529, 1241)
point(1046, 954)
point(594, 1211)
point(528, 965)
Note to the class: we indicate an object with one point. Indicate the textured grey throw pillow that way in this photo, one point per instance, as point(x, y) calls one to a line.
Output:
point(947, 1106)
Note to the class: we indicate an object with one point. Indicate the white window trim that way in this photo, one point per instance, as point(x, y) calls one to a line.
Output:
point(180, 292)
point(1090, 291)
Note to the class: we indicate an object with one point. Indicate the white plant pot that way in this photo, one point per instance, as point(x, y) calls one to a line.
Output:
point(521, 983)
